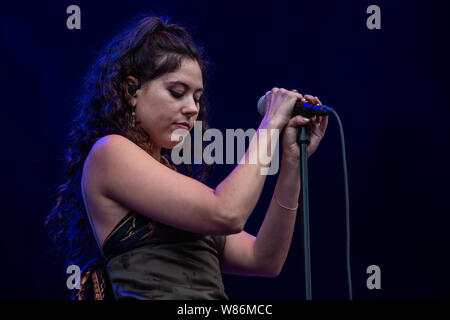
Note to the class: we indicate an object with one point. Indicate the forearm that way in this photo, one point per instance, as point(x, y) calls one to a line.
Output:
point(240, 190)
point(274, 237)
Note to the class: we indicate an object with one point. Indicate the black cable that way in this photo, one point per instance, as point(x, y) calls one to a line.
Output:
point(347, 206)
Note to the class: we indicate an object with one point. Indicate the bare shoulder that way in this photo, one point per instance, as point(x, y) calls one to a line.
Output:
point(103, 211)
point(113, 155)
point(123, 172)
point(112, 145)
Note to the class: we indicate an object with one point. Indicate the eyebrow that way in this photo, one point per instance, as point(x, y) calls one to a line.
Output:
point(185, 85)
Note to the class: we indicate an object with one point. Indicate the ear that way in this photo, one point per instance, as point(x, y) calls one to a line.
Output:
point(131, 85)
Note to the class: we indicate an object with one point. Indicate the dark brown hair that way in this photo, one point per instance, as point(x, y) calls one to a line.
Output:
point(146, 50)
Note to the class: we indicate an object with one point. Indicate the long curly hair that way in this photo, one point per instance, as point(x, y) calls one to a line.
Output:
point(146, 49)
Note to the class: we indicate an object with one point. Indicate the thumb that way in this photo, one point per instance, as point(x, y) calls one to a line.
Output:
point(298, 121)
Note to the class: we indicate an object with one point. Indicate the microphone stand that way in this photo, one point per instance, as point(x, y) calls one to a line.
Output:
point(303, 141)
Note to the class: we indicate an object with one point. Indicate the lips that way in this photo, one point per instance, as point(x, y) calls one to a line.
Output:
point(184, 124)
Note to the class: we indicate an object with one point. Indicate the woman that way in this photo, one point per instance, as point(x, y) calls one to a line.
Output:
point(162, 234)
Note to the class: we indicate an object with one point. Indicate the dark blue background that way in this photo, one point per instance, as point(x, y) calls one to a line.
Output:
point(389, 86)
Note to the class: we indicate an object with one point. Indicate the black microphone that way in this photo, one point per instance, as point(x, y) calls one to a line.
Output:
point(304, 109)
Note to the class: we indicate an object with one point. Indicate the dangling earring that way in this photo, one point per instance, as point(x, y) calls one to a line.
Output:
point(133, 119)
point(133, 113)
point(132, 91)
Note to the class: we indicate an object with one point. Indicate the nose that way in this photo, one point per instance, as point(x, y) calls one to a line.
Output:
point(191, 107)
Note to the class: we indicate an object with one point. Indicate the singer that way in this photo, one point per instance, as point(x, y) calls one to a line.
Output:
point(138, 227)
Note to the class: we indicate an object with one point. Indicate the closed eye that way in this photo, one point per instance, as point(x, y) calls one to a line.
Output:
point(178, 95)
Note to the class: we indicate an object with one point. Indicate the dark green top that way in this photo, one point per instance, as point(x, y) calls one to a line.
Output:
point(150, 260)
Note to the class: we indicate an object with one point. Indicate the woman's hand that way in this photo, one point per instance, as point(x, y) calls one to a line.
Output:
point(279, 106)
point(317, 126)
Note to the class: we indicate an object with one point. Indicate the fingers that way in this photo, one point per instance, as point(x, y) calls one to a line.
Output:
point(324, 124)
point(319, 125)
point(300, 96)
point(276, 97)
point(277, 92)
point(309, 98)
point(280, 103)
point(298, 121)
point(318, 101)
point(292, 94)
point(313, 100)
point(316, 123)
point(319, 122)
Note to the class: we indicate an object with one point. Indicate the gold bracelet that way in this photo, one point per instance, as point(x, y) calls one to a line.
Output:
point(292, 209)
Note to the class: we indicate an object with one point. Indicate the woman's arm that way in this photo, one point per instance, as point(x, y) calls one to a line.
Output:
point(265, 254)
point(275, 235)
point(122, 171)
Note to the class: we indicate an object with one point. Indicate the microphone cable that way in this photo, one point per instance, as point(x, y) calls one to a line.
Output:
point(307, 110)
point(347, 206)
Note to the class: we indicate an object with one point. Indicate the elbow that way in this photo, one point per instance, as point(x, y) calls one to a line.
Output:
point(270, 268)
point(231, 222)
point(272, 273)
point(234, 225)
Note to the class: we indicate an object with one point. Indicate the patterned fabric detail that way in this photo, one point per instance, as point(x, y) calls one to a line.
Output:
point(93, 285)
point(145, 259)
point(129, 231)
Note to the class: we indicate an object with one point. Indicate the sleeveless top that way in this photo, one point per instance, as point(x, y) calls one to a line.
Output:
point(144, 259)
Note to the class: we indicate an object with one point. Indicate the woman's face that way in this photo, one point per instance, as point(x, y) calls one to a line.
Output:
point(170, 99)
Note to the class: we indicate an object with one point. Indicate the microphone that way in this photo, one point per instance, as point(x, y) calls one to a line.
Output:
point(304, 109)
